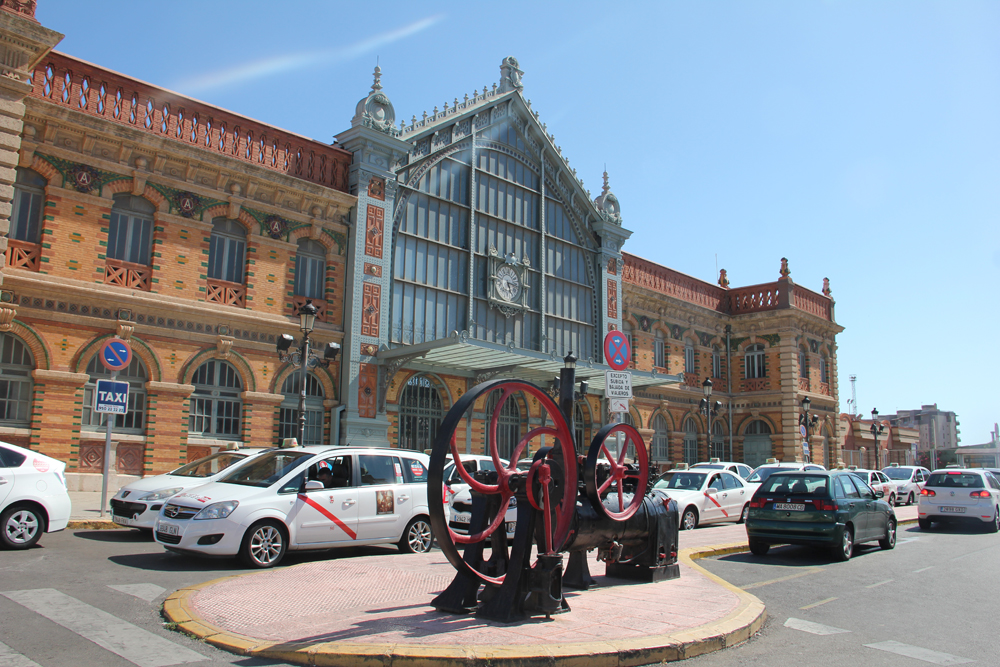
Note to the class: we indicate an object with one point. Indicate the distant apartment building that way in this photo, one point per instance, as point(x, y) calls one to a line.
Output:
point(938, 428)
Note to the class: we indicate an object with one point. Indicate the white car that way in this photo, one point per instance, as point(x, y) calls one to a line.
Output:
point(878, 482)
point(706, 496)
point(461, 513)
point(741, 469)
point(960, 494)
point(453, 482)
point(909, 480)
point(303, 498)
point(33, 496)
point(137, 504)
point(771, 466)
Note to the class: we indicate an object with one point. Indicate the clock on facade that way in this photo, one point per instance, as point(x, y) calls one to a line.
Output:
point(508, 283)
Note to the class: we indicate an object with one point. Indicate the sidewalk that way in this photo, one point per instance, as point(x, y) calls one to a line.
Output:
point(86, 512)
point(376, 611)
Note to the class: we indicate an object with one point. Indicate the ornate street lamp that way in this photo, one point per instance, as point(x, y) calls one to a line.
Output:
point(710, 410)
point(305, 358)
point(806, 422)
point(876, 429)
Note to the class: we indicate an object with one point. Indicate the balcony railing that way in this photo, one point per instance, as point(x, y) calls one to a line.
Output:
point(803, 384)
point(23, 255)
point(755, 384)
point(80, 86)
point(127, 274)
point(227, 293)
point(321, 306)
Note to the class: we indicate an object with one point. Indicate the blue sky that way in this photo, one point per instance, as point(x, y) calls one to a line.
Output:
point(858, 139)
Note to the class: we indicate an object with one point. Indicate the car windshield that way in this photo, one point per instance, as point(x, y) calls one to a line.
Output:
point(266, 469)
point(688, 481)
point(713, 466)
point(897, 473)
point(795, 485)
point(964, 480)
point(762, 473)
point(210, 465)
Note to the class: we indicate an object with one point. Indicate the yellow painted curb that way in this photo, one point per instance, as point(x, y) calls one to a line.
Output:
point(94, 524)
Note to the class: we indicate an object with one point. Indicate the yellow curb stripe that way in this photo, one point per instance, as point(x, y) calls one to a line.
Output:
point(816, 604)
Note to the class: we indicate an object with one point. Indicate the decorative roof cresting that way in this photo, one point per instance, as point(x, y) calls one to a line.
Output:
point(375, 110)
point(510, 75)
point(607, 204)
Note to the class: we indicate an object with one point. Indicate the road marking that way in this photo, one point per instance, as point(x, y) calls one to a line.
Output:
point(136, 645)
point(923, 569)
point(147, 592)
point(812, 570)
point(816, 604)
point(905, 541)
point(918, 653)
point(887, 581)
point(10, 658)
point(813, 628)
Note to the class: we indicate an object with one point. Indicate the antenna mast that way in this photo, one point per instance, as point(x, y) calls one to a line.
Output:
point(854, 395)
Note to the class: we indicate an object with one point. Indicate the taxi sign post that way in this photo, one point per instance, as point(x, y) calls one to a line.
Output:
point(617, 382)
point(116, 355)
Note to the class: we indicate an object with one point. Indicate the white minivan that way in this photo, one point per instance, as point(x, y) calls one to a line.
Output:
point(303, 498)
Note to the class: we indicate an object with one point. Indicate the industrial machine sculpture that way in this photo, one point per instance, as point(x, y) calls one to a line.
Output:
point(566, 503)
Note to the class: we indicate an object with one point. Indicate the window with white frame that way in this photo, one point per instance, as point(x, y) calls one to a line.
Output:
point(659, 351)
point(288, 415)
point(803, 363)
point(16, 386)
point(716, 362)
point(130, 230)
point(227, 251)
point(310, 269)
point(420, 413)
point(754, 358)
point(688, 357)
point(661, 439)
point(29, 198)
point(216, 407)
point(134, 419)
point(690, 441)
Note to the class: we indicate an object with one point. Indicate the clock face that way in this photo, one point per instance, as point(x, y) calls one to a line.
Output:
point(508, 285)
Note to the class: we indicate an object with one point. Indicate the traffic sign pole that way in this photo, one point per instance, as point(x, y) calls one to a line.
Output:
point(107, 455)
point(116, 355)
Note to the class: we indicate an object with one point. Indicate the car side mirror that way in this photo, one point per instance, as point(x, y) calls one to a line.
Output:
point(879, 493)
point(314, 485)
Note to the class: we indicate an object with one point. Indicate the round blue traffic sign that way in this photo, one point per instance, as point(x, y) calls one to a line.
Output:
point(115, 354)
point(617, 351)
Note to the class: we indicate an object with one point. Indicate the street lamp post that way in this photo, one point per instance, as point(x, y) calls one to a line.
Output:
point(806, 422)
point(709, 409)
point(305, 358)
point(876, 429)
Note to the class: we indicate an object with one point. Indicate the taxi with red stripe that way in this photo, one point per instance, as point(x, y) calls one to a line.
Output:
point(302, 498)
point(705, 495)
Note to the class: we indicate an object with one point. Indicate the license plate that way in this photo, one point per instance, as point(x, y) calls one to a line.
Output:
point(462, 517)
point(953, 510)
point(169, 529)
point(792, 507)
point(123, 520)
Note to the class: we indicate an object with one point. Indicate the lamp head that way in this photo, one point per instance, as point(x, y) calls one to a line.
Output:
point(706, 387)
point(307, 316)
point(806, 402)
point(583, 386)
point(874, 413)
point(331, 351)
point(570, 360)
point(284, 342)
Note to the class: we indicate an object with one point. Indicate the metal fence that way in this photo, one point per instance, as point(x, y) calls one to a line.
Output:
point(866, 459)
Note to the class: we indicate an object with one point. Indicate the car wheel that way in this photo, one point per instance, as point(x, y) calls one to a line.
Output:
point(909, 498)
point(690, 519)
point(890, 535)
point(846, 548)
point(744, 514)
point(925, 524)
point(892, 500)
point(21, 527)
point(759, 548)
point(994, 525)
point(417, 538)
point(264, 545)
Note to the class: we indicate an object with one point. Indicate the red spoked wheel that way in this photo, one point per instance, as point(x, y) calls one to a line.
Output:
point(556, 474)
point(619, 473)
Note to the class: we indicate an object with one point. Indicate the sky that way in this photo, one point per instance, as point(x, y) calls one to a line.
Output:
point(858, 139)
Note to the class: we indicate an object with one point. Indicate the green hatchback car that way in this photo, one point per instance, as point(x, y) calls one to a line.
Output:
point(832, 509)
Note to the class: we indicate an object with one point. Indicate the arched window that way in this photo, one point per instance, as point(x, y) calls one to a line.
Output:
point(690, 441)
point(420, 414)
point(758, 427)
point(823, 373)
point(688, 357)
point(16, 365)
point(288, 416)
point(216, 407)
point(579, 425)
point(310, 269)
point(508, 424)
point(29, 196)
point(661, 439)
point(716, 362)
point(134, 419)
point(130, 230)
point(755, 361)
point(227, 251)
point(803, 363)
point(659, 351)
point(717, 448)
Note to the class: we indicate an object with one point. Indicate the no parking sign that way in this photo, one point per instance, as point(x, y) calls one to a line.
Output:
point(115, 354)
point(617, 351)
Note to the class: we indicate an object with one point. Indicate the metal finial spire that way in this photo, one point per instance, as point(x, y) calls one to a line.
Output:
point(607, 188)
point(377, 86)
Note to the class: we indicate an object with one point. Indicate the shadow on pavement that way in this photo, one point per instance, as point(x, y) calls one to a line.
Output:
point(123, 535)
point(797, 556)
point(951, 528)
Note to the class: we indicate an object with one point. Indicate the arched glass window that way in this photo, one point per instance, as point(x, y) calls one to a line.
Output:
point(508, 424)
point(420, 414)
point(690, 441)
point(627, 419)
point(716, 362)
point(216, 407)
point(310, 269)
point(579, 425)
point(288, 416)
point(134, 419)
point(659, 351)
point(227, 251)
point(823, 372)
point(803, 363)
point(16, 365)
point(688, 357)
point(661, 439)
point(130, 231)
point(29, 197)
point(755, 361)
point(717, 448)
point(758, 427)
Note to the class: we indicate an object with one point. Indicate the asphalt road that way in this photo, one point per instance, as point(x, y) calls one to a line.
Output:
point(930, 601)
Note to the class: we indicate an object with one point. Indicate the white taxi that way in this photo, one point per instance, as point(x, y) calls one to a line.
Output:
point(33, 496)
point(705, 495)
point(137, 504)
point(741, 469)
point(772, 466)
point(909, 480)
point(960, 494)
point(303, 498)
point(878, 481)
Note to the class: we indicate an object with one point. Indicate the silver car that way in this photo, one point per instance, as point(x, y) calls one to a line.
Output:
point(908, 480)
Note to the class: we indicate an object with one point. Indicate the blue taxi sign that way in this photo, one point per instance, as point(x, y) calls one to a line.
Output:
point(111, 397)
point(115, 354)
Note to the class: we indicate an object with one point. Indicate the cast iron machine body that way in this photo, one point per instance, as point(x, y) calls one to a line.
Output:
point(566, 503)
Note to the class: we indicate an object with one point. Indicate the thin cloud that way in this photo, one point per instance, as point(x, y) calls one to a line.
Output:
point(292, 61)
